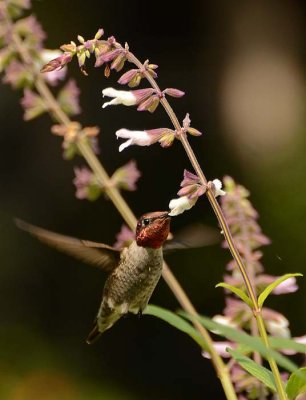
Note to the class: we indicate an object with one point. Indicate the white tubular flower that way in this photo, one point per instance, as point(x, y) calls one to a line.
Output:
point(181, 204)
point(218, 188)
point(224, 320)
point(141, 138)
point(127, 98)
point(279, 327)
point(220, 347)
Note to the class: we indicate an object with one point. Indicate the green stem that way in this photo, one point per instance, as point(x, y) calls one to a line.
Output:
point(272, 363)
point(222, 221)
point(125, 211)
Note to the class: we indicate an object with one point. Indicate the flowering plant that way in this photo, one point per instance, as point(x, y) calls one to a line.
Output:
point(245, 323)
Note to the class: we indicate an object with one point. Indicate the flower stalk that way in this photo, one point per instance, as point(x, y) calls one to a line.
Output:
point(222, 222)
point(54, 108)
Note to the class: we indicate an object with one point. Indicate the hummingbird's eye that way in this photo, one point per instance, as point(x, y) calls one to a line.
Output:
point(146, 222)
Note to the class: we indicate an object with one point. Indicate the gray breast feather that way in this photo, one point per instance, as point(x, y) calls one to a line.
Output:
point(135, 278)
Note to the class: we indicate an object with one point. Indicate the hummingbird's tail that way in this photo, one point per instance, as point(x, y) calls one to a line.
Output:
point(97, 330)
point(93, 335)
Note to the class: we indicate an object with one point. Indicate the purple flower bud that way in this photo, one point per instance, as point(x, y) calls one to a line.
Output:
point(152, 73)
point(152, 66)
point(118, 62)
point(150, 104)
point(107, 57)
point(194, 132)
point(191, 186)
point(99, 34)
point(128, 76)
point(186, 121)
point(173, 92)
point(142, 94)
point(189, 178)
point(58, 63)
point(53, 77)
point(81, 59)
point(111, 40)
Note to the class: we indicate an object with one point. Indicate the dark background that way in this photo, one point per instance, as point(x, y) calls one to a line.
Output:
point(242, 67)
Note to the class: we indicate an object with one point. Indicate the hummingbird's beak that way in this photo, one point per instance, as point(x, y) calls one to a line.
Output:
point(166, 215)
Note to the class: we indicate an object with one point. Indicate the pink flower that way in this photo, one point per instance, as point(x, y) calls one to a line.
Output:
point(83, 178)
point(127, 176)
point(32, 104)
point(86, 184)
point(69, 98)
point(16, 75)
point(31, 29)
point(124, 237)
point(191, 186)
point(221, 349)
point(288, 286)
point(290, 352)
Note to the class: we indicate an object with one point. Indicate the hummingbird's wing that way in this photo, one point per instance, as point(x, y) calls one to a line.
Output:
point(97, 254)
point(191, 237)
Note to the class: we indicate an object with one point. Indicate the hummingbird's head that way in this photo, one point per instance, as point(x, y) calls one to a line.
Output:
point(153, 229)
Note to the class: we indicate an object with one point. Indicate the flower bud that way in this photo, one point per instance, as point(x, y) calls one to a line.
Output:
point(174, 92)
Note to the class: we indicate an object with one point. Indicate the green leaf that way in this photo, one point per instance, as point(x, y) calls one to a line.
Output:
point(296, 384)
point(284, 343)
point(178, 322)
point(238, 292)
point(272, 286)
point(253, 342)
point(260, 372)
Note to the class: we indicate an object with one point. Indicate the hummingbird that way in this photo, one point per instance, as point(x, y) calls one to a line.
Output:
point(134, 271)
